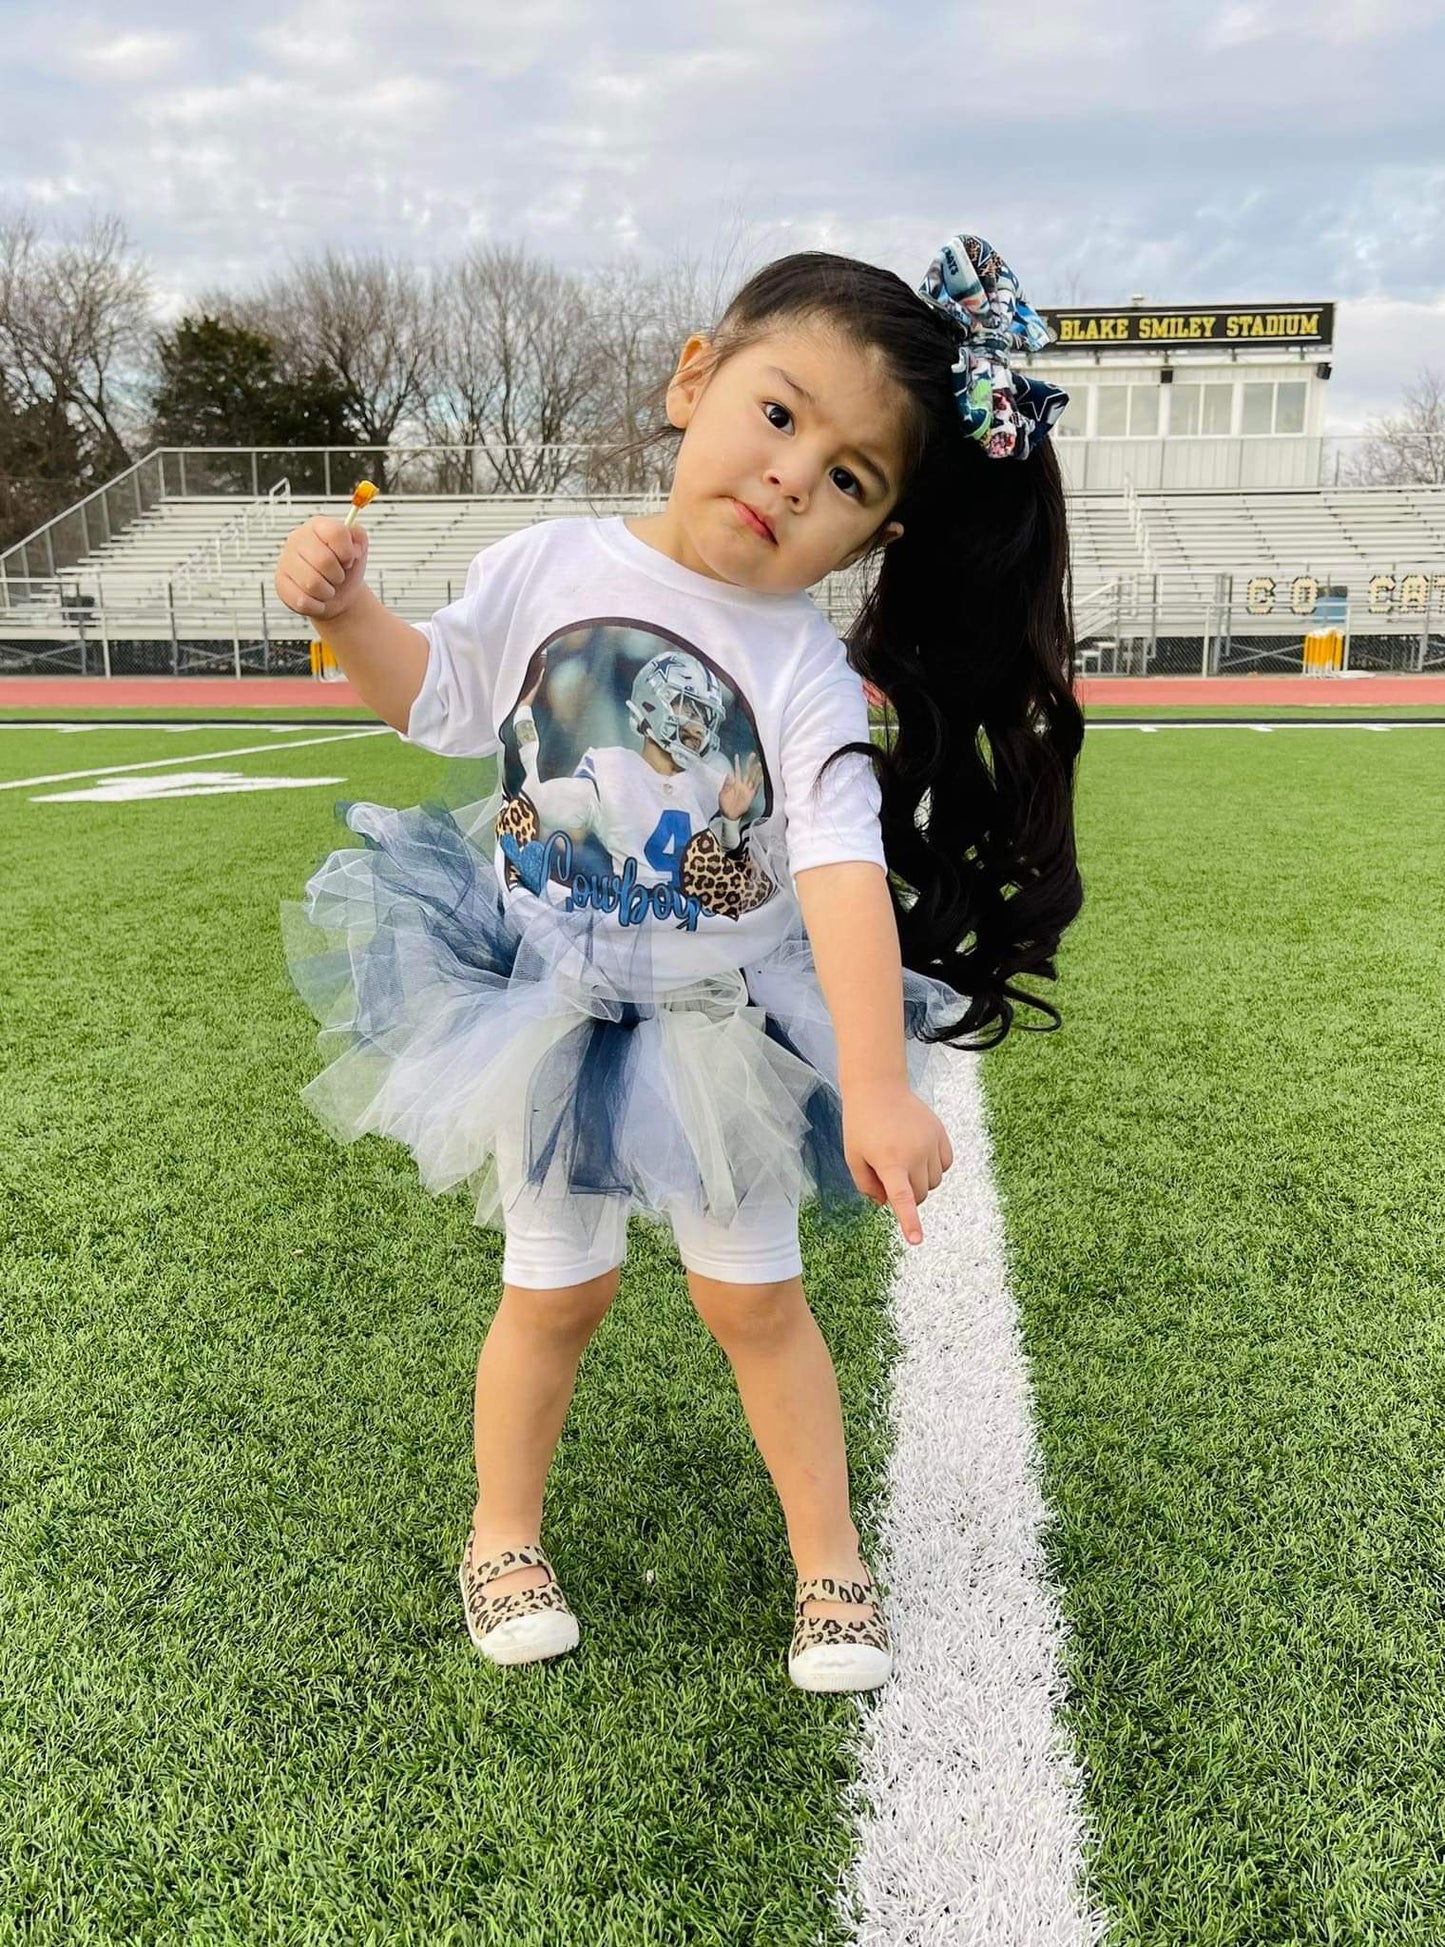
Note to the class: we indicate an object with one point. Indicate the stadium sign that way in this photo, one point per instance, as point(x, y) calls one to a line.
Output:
point(1140, 324)
point(1385, 594)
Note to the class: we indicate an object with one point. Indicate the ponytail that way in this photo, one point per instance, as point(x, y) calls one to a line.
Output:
point(966, 630)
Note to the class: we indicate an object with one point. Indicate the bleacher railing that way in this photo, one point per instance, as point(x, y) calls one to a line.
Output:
point(1209, 622)
point(264, 515)
point(560, 469)
point(315, 472)
point(1211, 462)
point(212, 612)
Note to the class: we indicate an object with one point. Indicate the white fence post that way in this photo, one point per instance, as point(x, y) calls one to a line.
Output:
point(104, 631)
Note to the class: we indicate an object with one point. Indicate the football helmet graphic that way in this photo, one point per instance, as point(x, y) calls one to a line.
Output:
point(670, 691)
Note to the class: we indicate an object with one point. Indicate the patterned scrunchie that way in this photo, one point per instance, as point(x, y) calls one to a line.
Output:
point(1006, 411)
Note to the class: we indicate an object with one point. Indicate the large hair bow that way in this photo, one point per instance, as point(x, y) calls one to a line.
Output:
point(1008, 412)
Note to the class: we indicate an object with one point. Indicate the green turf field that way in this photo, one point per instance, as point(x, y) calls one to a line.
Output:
point(237, 1360)
point(238, 1702)
point(1222, 1195)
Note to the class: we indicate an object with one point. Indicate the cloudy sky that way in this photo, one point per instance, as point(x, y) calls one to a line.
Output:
point(1289, 150)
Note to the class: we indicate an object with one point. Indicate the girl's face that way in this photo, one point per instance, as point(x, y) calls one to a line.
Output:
point(803, 429)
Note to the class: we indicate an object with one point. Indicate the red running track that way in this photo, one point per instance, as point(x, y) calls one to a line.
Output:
point(1361, 692)
point(63, 693)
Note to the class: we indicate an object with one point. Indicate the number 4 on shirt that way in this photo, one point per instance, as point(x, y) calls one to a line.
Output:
point(665, 848)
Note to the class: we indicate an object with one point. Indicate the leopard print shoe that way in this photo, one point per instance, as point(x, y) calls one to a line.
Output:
point(521, 1625)
point(832, 1654)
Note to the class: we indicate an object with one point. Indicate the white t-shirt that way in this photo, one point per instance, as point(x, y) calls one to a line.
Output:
point(660, 770)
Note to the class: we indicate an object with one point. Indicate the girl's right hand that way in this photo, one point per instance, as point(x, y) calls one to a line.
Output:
point(322, 567)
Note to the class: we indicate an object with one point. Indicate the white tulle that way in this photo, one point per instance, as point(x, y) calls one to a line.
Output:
point(464, 1026)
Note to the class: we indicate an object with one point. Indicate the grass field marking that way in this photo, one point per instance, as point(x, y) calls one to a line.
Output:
point(189, 757)
point(179, 784)
point(969, 1800)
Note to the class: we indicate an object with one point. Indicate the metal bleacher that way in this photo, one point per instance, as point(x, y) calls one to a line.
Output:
point(192, 572)
point(1206, 568)
point(208, 562)
point(1332, 529)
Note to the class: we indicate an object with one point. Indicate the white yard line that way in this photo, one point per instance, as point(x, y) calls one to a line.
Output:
point(191, 757)
point(969, 1807)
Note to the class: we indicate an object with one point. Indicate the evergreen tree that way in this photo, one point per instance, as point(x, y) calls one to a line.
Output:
point(221, 386)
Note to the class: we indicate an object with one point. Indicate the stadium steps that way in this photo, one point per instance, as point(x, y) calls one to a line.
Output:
point(213, 558)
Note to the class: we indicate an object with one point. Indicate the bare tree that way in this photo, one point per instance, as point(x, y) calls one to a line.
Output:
point(1070, 291)
point(521, 375)
point(75, 323)
point(373, 323)
point(641, 322)
point(633, 325)
point(1405, 448)
point(531, 371)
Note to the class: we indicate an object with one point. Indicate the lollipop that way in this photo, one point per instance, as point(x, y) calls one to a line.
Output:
point(365, 492)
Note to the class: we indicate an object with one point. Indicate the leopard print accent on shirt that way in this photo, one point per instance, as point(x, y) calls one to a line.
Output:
point(484, 1612)
point(517, 819)
point(727, 885)
point(809, 1630)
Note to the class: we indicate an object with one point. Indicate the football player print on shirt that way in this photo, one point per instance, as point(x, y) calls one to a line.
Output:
point(631, 775)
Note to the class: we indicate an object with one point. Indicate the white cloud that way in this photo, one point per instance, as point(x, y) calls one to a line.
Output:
point(1380, 346)
point(344, 122)
point(124, 57)
point(53, 190)
point(1238, 26)
point(1334, 23)
point(1175, 151)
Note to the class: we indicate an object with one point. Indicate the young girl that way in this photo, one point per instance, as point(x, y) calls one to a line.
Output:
point(702, 973)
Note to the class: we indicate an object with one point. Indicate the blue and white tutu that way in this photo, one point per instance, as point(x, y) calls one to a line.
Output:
point(455, 1022)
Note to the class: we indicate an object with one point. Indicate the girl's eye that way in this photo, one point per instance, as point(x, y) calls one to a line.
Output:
point(772, 405)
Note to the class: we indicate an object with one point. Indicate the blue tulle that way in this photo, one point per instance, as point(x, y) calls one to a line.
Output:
point(457, 1022)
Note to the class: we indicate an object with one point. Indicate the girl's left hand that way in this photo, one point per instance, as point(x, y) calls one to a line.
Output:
point(896, 1148)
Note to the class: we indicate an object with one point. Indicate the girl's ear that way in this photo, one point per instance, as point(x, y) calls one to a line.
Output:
point(687, 380)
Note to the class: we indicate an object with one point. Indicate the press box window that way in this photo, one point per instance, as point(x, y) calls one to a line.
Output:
point(1128, 410)
point(1258, 409)
point(1289, 407)
point(1183, 409)
point(1143, 410)
point(1112, 420)
point(1271, 408)
point(1218, 408)
point(1200, 409)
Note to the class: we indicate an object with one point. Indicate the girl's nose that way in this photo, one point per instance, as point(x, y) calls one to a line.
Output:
point(789, 488)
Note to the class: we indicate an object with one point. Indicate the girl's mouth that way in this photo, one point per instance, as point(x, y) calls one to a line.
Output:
point(754, 521)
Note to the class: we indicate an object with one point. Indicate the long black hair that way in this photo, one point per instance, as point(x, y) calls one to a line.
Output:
point(966, 629)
